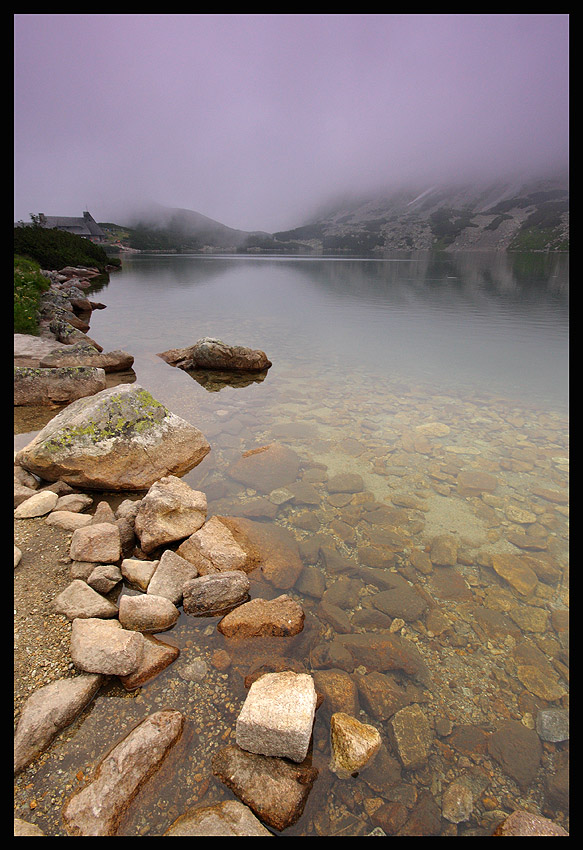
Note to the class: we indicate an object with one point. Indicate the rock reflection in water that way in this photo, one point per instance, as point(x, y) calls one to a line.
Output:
point(213, 382)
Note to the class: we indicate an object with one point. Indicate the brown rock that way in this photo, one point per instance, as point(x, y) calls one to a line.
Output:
point(100, 542)
point(516, 571)
point(170, 511)
point(272, 547)
point(275, 789)
point(384, 651)
point(339, 691)
point(282, 616)
point(518, 750)
point(472, 482)
point(49, 710)
point(157, 656)
point(56, 386)
point(266, 468)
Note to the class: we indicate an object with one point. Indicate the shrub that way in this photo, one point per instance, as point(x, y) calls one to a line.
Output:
point(54, 249)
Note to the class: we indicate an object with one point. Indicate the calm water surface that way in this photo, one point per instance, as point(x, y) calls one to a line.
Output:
point(409, 372)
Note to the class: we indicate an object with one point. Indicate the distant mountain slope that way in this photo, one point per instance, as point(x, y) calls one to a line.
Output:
point(506, 215)
point(159, 227)
point(514, 215)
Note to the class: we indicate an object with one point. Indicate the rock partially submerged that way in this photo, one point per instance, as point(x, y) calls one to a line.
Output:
point(119, 439)
point(56, 385)
point(85, 354)
point(49, 710)
point(276, 790)
point(216, 355)
point(97, 808)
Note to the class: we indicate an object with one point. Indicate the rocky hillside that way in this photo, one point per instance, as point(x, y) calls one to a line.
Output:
point(507, 215)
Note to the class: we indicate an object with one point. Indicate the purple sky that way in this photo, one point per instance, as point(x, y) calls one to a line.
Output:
point(255, 119)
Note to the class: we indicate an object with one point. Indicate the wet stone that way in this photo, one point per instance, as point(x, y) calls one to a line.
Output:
point(412, 736)
point(457, 803)
point(444, 549)
point(518, 750)
point(274, 789)
point(339, 691)
point(353, 744)
point(400, 601)
point(381, 695)
point(552, 724)
point(345, 482)
point(540, 683)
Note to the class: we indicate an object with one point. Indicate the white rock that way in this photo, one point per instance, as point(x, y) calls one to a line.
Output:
point(278, 715)
point(40, 504)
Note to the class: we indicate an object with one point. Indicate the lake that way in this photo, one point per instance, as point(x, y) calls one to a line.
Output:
point(420, 374)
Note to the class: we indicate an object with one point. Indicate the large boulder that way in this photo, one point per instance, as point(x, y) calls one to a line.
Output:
point(119, 439)
point(216, 355)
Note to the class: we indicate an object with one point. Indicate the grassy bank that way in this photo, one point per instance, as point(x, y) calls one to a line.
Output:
point(29, 285)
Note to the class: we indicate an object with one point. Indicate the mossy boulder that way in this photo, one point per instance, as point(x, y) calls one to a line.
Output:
point(118, 439)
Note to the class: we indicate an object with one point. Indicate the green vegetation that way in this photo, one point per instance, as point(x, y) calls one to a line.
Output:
point(357, 242)
point(543, 229)
point(29, 285)
point(54, 249)
point(447, 224)
point(496, 222)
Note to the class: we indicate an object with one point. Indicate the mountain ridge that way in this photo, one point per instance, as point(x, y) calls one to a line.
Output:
point(507, 214)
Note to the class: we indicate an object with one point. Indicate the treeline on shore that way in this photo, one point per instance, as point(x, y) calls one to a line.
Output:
point(37, 248)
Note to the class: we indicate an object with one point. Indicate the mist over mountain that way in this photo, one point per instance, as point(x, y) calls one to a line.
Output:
point(508, 213)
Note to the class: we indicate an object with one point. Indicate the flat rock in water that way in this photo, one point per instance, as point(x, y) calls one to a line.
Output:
point(118, 439)
point(272, 547)
point(57, 385)
point(383, 651)
point(275, 789)
point(49, 710)
point(280, 617)
point(412, 736)
point(527, 824)
point(518, 750)
point(97, 808)
point(227, 818)
point(266, 468)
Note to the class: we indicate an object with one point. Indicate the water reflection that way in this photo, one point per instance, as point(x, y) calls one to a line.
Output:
point(213, 382)
point(452, 533)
